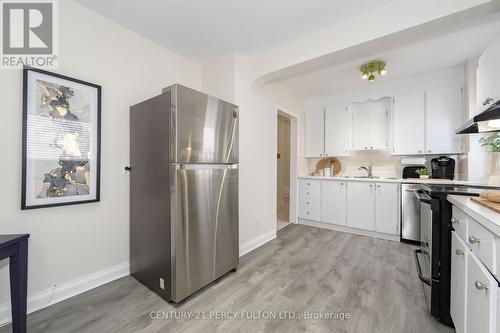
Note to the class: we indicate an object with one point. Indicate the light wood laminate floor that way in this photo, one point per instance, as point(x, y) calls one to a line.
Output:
point(304, 269)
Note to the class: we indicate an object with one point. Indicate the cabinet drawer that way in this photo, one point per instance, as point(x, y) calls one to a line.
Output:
point(482, 243)
point(459, 223)
point(309, 214)
point(309, 184)
point(309, 198)
point(482, 293)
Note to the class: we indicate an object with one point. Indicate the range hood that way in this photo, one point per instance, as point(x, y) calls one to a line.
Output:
point(486, 121)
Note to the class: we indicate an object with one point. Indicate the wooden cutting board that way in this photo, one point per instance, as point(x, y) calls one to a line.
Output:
point(494, 206)
point(326, 161)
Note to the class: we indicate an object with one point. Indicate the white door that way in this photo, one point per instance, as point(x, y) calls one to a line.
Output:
point(444, 114)
point(387, 208)
point(314, 132)
point(333, 202)
point(408, 135)
point(379, 112)
point(482, 291)
point(360, 124)
point(336, 131)
point(361, 205)
point(459, 252)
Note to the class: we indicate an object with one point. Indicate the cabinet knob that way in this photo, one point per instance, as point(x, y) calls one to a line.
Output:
point(308, 183)
point(308, 203)
point(371, 147)
point(480, 285)
point(487, 101)
point(371, 185)
point(341, 184)
point(378, 185)
point(473, 239)
point(459, 252)
point(429, 151)
point(308, 192)
point(366, 147)
point(420, 151)
point(320, 154)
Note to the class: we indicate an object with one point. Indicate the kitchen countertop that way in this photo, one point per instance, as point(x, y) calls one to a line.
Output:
point(396, 180)
point(485, 216)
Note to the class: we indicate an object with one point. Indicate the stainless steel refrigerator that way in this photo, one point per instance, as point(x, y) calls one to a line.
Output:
point(183, 191)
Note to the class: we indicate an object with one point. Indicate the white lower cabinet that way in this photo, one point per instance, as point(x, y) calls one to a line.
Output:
point(474, 291)
point(482, 292)
point(361, 205)
point(309, 199)
point(333, 202)
point(459, 254)
point(387, 208)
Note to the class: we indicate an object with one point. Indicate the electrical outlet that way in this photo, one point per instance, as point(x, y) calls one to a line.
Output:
point(162, 284)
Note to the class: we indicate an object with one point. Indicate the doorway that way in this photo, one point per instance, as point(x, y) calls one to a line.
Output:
point(286, 165)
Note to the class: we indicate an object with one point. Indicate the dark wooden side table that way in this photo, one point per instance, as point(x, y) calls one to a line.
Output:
point(15, 247)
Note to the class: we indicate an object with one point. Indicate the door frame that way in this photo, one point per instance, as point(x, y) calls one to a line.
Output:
point(294, 149)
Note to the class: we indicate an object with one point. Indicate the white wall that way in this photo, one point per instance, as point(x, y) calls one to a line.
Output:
point(69, 242)
point(258, 142)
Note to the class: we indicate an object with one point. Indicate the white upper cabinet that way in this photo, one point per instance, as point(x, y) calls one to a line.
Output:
point(444, 114)
point(314, 132)
point(488, 71)
point(333, 202)
point(409, 124)
point(369, 124)
point(337, 132)
point(387, 208)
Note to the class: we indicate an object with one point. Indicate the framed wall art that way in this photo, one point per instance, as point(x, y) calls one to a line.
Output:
point(61, 140)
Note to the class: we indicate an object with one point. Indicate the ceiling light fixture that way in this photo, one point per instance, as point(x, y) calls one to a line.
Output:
point(368, 70)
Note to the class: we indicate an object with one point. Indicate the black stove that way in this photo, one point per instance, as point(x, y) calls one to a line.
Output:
point(433, 259)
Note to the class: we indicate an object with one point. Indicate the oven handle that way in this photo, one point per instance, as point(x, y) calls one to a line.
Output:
point(422, 278)
point(423, 197)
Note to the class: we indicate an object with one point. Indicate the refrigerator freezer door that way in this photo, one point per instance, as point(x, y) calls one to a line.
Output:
point(205, 225)
point(206, 128)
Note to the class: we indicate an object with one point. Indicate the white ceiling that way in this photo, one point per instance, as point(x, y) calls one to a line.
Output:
point(440, 52)
point(203, 29)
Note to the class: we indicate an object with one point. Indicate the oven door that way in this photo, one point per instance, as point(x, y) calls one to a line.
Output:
point(424, 254)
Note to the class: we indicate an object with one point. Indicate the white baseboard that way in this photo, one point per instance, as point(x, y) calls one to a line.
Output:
point(254, 243)
point(59, 293)
point(368, 233)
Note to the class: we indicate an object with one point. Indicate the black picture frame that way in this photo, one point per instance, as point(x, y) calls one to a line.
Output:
point(25, 205)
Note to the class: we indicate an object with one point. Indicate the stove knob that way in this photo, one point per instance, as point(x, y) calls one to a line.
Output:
point(459, 252)
point(473, 239)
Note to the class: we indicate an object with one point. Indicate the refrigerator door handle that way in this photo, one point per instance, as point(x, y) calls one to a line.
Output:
point(193, 166)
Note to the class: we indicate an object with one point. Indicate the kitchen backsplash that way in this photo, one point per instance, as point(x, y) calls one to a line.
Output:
point(384, 164)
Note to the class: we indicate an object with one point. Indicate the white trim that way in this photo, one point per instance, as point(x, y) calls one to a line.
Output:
point(256, 242)
point(294, 163)
point(58, 293)
point(341, 228)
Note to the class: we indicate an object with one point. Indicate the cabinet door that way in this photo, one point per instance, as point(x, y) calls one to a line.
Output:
point(488, 71)
point(408, 135)
point(314, 132)
point(387, 208)
point(361, 205)
point(360, 125)
point(444, 114)
point(336, 131)
point(482, 292)
point(333, 202)
point(458, 295)
point(379, 113)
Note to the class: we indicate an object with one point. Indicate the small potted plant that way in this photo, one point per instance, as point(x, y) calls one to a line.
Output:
point(492, 141)
point(423, 173)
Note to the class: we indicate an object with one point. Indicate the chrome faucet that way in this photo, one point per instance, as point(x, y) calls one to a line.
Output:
point(368, 169)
